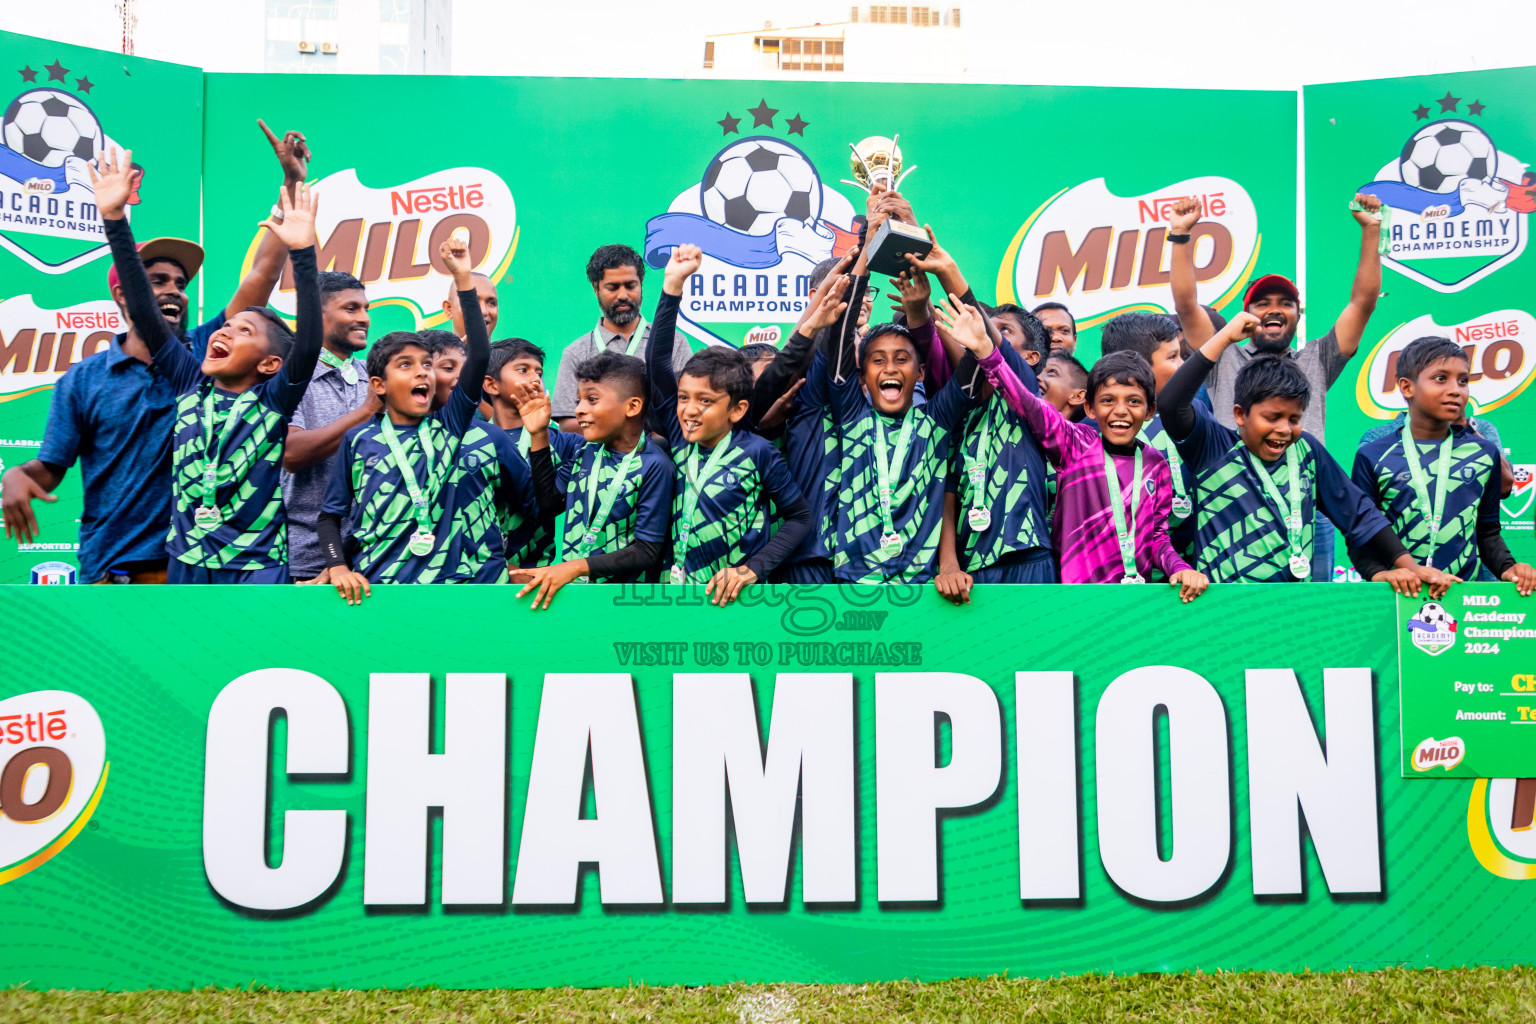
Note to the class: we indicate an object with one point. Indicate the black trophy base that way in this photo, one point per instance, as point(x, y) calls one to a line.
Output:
point(893, 240)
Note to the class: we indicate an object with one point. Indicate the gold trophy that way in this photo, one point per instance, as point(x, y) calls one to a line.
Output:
point(876, 162)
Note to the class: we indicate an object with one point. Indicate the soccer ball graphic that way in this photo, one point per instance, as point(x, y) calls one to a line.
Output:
point(1435, 615)
point(49, 126)
point(1522, 475)
point(751, 184)
point(1439, 155)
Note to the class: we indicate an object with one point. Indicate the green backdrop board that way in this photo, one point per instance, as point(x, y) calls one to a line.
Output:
point(63, 102)
point(980, 789)
point(1448, 153)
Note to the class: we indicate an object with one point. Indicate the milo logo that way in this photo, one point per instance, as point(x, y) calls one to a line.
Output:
point(53, 768)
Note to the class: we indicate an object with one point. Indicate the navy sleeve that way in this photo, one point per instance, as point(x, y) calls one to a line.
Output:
point(794, 513)
point(338, 489)
point(1364, 477)
point(1204, 398)
point(788, 365)
point(1176, 403)
point(1350, 508)
point(181, 368)
point(953, 401)
point(61, 438)
point(653, 513)
point(661, 408)
point(1491, 547)
point(845, 359)
point(514, 491)
point(1207, 440)
point(285, 389)
point(458, 415)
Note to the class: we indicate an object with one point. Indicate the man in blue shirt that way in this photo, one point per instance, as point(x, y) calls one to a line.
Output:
point(113, 412)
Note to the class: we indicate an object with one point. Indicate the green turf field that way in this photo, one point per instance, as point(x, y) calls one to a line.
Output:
point(1383, 997)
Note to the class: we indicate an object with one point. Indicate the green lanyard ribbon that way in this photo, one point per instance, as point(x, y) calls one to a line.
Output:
point(1182, 505)
point(693, 489)
point(596, 519)
point(421, 499)
point(1385, 216)
point(1288, 508)
point(885, 461)
point(980, 513)
point(346, 367)
point(1124, 532)
point(212, 441)
point(634, 339)
point(1420, 482)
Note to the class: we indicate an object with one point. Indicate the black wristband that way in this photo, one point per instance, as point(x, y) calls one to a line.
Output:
point(1178, 239)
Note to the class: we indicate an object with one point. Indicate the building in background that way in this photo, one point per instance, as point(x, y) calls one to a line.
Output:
point(878, 42)
point(358, 36)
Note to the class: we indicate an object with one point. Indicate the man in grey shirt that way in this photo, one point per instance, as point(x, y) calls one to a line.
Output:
point(616, 274)
point(1277, 303)
point(338, 399)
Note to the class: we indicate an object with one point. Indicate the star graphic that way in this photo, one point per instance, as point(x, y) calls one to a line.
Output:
point(85, 85)
point(728, 124)
point(1421, 112)
point(56, 71)
point(1448, 102)
point(28, 75)
point(762, 115)
point(797, 126)
point(1476, 107)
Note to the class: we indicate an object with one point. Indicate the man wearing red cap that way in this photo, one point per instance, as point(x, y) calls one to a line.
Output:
point(113, 413)
point(1277, 303)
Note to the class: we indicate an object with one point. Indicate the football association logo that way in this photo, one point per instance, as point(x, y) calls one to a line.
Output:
point(1458, 203)
point(764, 217)
point(48, 137)
point(1432, 630)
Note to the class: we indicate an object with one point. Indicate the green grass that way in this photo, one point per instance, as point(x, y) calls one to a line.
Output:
point(1383, 997)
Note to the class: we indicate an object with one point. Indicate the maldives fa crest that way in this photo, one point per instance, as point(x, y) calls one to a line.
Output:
point(48, 137)
point(1458, 203)
point(764, 218)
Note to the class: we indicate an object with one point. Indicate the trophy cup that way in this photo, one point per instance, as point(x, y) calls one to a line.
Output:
point(877, 161)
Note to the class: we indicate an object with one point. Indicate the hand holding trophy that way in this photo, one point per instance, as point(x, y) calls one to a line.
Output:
point(876, 163)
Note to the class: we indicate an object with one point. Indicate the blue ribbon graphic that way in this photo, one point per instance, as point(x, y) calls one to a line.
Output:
point(666, 232)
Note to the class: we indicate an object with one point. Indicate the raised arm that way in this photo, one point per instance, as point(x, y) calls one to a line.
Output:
point(1176, 402)
point(1181, 273)
point(477, 342)
point(826, 308)
point(1365, 290)
point(112, 177)
point(660, 374)
point(255, 289)
point(295, 231)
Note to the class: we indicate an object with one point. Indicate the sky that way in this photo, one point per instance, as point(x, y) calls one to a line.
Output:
point(1177, 43)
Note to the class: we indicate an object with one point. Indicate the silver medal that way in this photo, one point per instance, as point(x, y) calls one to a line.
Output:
point(979, 518)
point(1301, 567)
point(1134, 577)
point(207, 516)
point(890, 545)
point(422, 542)
point(677, 574)
point(1182, 506)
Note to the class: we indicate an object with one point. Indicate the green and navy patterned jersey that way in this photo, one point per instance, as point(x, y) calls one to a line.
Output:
point(732, 519)
point(367, 484)
point(917, 504)
point(1381, 471)
point(1240, 535)
point(811, 450)
point(248, 493)
point(641, 511)
point(1015, 481)
point(529, 540)
point(495, 481)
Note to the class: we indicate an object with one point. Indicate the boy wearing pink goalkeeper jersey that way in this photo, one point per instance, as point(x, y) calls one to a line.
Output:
point(1114, 490)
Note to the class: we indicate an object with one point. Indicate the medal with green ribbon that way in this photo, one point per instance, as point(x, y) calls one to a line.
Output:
point(1385, 216)
point(979, 515)
point(1289, 509)
point(207, 514)
point(1433, 517)
point(693, 488)
point(1125, 531)
point(885, 461)
point(1183, 504)
point(423, 540)
point(346, 367)
point(597, 509)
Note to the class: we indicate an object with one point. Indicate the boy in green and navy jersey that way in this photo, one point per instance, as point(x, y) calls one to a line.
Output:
point(726, 477)
point(234, 404)
point(1257, 488)
point(399, 476)
point(1443, 501)
point(619, 497)
point(527, 536)
point(894, 455)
